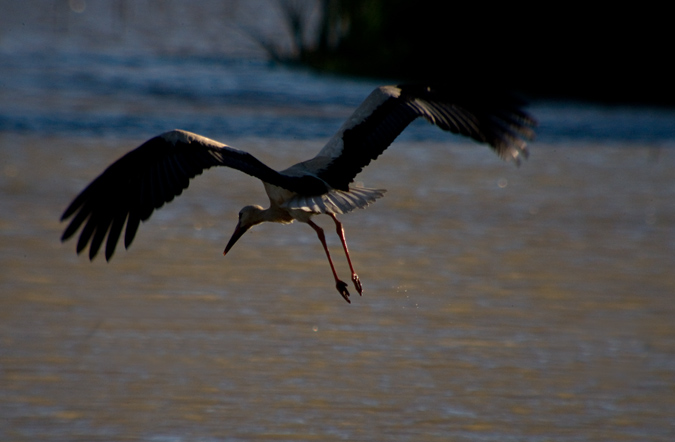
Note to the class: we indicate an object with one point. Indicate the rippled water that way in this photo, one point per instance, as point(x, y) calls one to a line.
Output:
point(500, 303)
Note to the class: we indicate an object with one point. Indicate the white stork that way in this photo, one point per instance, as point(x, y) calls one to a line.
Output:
point(153, 174)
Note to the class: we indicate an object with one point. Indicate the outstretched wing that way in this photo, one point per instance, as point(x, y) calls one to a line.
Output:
point(494, 119)
point(153, 174)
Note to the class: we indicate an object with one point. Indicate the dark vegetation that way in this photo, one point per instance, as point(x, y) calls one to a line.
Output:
point(549, 50)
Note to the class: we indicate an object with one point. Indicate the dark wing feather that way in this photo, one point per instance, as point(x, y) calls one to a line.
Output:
point(150, 176)
point(494, 119)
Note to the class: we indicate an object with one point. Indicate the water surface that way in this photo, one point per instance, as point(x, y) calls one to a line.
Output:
point(500, 303)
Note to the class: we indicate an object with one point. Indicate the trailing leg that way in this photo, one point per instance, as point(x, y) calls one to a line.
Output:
point(341, 233)
point(340, 285)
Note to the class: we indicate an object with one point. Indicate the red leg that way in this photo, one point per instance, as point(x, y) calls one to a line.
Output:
point(341, 234)
point(340, 285)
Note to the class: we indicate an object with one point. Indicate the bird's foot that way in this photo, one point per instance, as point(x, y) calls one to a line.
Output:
point(357, 283)
point(342, 288)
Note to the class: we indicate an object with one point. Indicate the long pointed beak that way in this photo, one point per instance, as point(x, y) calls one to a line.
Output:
point(238, 232)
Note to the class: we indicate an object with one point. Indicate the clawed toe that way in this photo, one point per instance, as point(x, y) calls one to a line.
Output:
point(342, 288)
point(357, 284)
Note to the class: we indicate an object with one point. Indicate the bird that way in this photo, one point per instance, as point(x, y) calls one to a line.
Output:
point(153, 174)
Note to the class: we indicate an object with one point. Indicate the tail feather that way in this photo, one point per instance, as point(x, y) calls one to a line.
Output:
point(336, 201)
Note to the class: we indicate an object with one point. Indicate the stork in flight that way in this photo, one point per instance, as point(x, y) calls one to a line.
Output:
point(153, 174)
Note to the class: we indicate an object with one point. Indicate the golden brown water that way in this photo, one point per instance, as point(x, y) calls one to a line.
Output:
point(500, 303)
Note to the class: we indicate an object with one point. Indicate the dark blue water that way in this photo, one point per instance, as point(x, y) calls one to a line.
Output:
point(85, 94)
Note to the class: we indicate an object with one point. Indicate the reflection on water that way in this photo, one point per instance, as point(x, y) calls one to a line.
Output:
point(500, 303)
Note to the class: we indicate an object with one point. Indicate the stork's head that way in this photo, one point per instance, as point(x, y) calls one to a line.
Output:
point(249, 216)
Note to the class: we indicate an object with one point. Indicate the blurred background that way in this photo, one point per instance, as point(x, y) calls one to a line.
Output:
point(500, 303)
